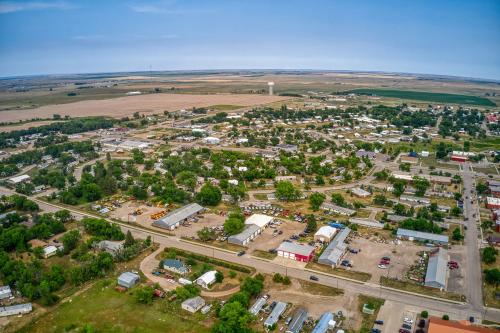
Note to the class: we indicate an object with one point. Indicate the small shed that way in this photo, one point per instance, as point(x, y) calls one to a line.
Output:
point(193, 304)
point(128, 279)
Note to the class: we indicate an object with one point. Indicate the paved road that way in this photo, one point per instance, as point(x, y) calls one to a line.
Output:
point(473, 260)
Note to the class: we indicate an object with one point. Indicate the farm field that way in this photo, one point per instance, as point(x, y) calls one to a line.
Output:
point(146, 104)
point(427, 96)
point(107, 310)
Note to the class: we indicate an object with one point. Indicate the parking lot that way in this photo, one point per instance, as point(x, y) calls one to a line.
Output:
point(267, 240)
point(367, 260)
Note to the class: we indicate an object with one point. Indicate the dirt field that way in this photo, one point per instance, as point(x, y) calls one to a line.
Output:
point(127, 106)
point(402, 256)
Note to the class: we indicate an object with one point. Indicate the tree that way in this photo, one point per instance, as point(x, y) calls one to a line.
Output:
point(481, 188)
point(234, 223)
point(421, 185)
point(398, 188)
point(489, 255)
point(492, 276)
point(338, 199)
point(316, 199)
point(455, 211)
point(209, 195)
point(457, 235)
point(446, 317)
point(129, 239)
point(404, 167)
point(312, 226)
point(278, 278)
point(219, 277)
point(233, 318)
point(206, 234)
point(286, 191)
point(63, 215)
point(144, 295)
point(91, 192)
point(380, 200)
point(70, 240)
point(424, 314)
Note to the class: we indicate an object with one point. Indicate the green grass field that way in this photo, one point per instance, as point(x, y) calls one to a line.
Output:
point(110, 311)
point(426, 96)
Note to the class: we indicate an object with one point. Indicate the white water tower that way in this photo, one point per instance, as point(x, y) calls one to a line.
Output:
point(271, 87)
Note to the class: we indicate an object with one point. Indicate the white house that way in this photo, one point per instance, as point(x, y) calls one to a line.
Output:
point(207, 279)
point(210, 140)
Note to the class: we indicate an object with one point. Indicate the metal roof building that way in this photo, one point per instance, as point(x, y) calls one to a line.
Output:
point(323, 323)
point(325, 233)
point(243, 238)
point(337, 209)
point(260, 220)
point(15, 309)
point(173, 219)
point(257, 306)
point(128, 279)
point(422, 236)
point(336, 249)
point(294, 251)
point(193, 304)
point(275, 314)
point(5, 292)
point(298, 320)
point(437, 269)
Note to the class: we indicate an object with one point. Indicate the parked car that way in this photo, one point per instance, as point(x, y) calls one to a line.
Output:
point(288, 320)
point(241, 253)
point(382, 266)
point(314, 278)
point(408, 320)
point(406, 326)
point(376, 330)
point(379, 322)
point(402, 330)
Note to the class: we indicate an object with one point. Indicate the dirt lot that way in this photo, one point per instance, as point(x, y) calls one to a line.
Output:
point(127, 106)
point(402, 256)
point(456, 277)
point(121, 213)
point(266, 241)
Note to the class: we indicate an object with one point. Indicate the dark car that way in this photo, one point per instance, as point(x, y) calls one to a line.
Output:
point(241, 253)
point(408, 327)
point(314, 278)
point(376, 330)
point(379, 322)
point(402, 330)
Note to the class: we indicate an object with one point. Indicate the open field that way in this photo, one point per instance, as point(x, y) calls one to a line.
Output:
point(427, 96)
point(110, 311)
point(145, 104)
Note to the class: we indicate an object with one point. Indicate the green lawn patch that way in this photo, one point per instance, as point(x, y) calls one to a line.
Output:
point(368, 319)
point(107, 310)
point(360, 276)
point(426, 96)
point(264, 254)
point(225, 107)
point(415, 288)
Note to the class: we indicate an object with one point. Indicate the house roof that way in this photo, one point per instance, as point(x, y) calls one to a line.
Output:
point(329, 206)
point(436, 268)
point(298, 320)
point(128, 277)
point(438, 325)
point(175, 263)
point(275, 314)
point(326, 231)
point(178, 215)
point(323, 322)
point(422, 235)
point(207, 278)
point(195, 302)
point(300, 249)
point(260, 220)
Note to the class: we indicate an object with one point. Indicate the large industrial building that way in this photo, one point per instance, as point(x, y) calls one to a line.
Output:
point(325, 234)
point(253, 227)
point(174, 219)
point(337, 209)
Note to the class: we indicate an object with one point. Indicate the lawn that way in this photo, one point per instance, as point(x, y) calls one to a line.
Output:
point(319, 289)
point(415, 288)
point(368, 319)
point(263, 254)
point(426, 96)
point(489, 290)
point(110, 311)
point(360, 276)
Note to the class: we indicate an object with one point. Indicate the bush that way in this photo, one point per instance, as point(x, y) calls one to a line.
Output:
point(446, 317)
point(424, 314)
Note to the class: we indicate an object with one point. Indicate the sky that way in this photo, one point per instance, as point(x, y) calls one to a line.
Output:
point(446, 37)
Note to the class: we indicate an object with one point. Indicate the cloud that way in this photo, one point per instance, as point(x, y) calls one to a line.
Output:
point(12, 7)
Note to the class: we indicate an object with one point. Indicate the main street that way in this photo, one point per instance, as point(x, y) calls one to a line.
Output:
point(440, 305)
point(473, 261)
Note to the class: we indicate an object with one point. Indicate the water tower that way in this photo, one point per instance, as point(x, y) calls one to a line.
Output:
point(271, 86)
